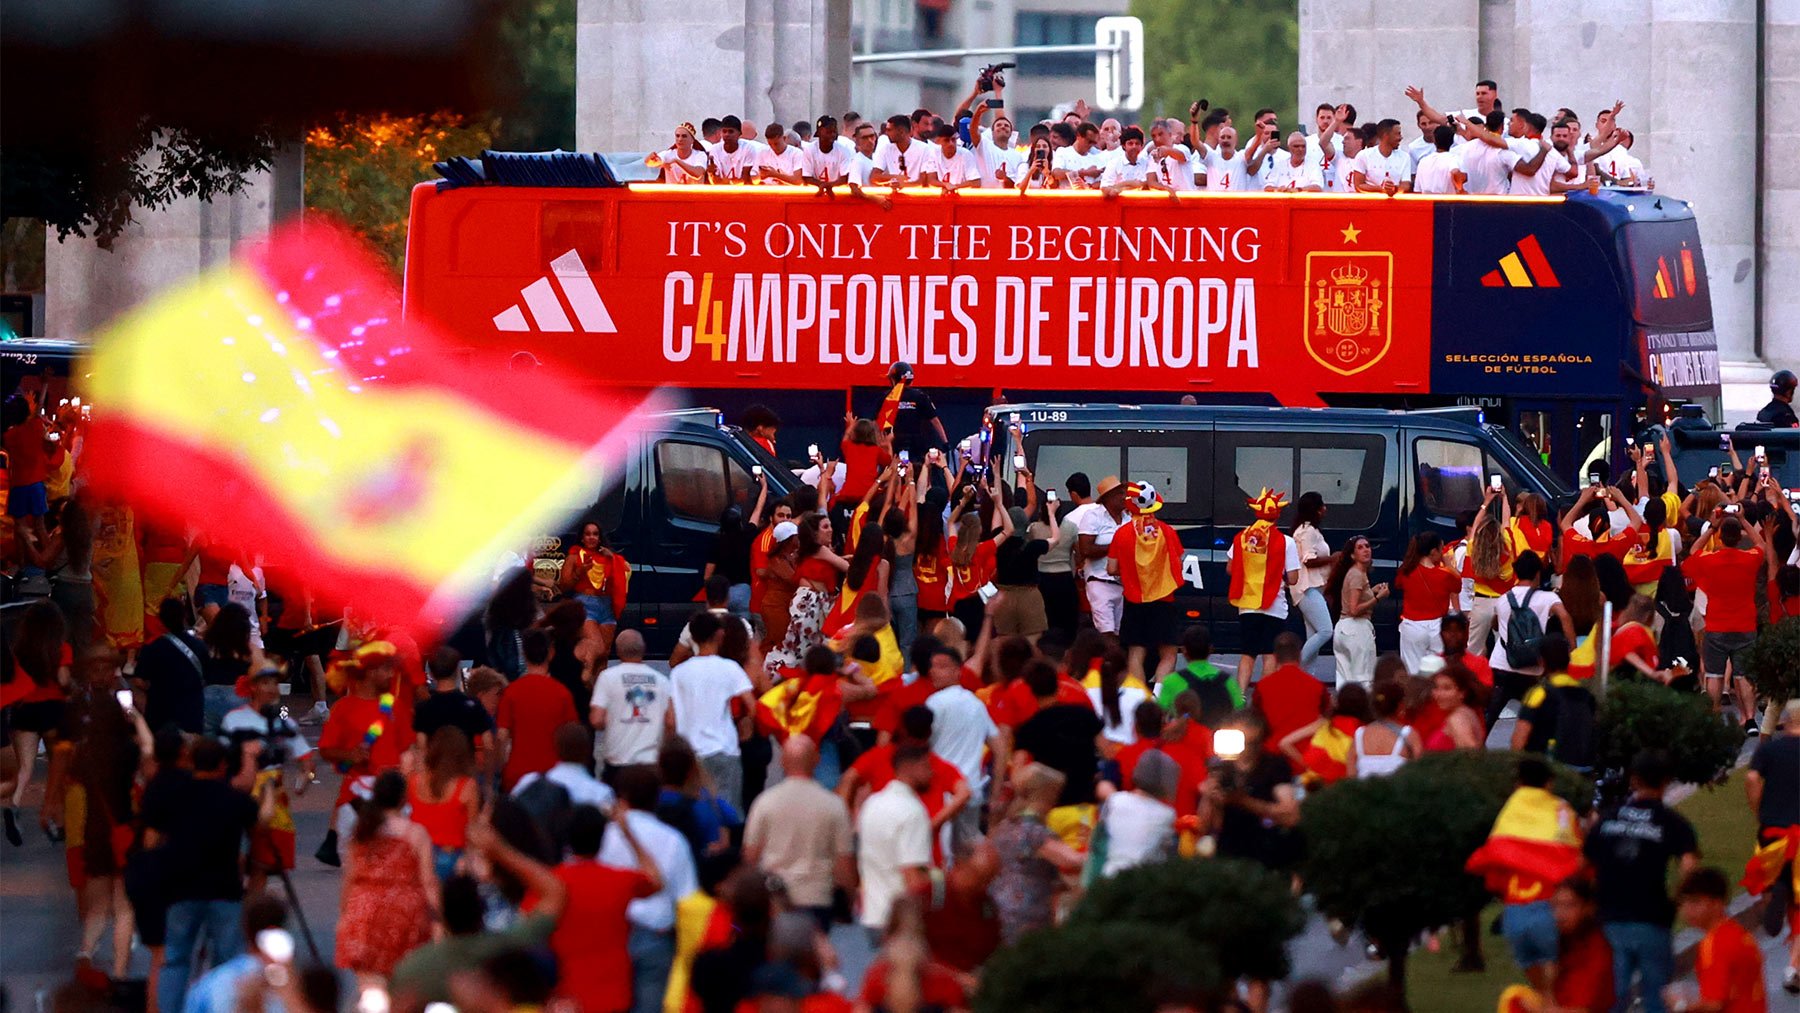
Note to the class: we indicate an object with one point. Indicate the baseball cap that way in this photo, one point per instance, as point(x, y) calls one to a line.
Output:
point(786, 530)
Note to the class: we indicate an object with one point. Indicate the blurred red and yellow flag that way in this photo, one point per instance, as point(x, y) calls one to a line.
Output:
point(282, 406)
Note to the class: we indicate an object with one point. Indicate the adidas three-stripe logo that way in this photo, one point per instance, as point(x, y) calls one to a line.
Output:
point(546, 309)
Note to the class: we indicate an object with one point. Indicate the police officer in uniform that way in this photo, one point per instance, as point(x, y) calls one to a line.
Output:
point(1779, 412)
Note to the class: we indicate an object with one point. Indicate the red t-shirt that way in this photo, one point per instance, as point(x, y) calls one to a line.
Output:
point(1577, 544)
point(348, 726)
point(876, 768)
point(932, 574)
point(897, 702)
point(1584, 972)
point(532, 709)
point(1015, 704)
point(23, 690)
point(1633, 639)
point(1478, 666)
point(1128, 757)
point(1191, 753)
point(1428, 592)
point(590, 938)
point(1289, 698)
point(966, 580)
point(963, 928)
point(862, 466)
point(25, 456)
point(1728, 576)
point(1729, 968)
point(939, 987)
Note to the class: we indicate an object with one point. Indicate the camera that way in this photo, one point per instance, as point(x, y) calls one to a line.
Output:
point(273, 736)
point(992, 75)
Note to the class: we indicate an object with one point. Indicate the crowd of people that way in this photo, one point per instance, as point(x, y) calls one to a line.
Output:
point(1484, 149)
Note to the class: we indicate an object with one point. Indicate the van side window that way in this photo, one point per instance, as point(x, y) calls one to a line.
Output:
point(1055, 462)
point(1453, 476)
point(692, 477)
point(1160, 458)
point(1345, 468)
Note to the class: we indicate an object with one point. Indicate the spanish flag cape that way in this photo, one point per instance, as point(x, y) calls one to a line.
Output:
point(1584, 659)
point(1532, 847)
point(843, 611)
point(1153, 570)
point(1326, 757)
point(1258, 554)
point(118, 577)
point(608, 572)
point(884, 673)
point(1766, 863)
point(890, 408)
point(804, 705)
point(1645, 563)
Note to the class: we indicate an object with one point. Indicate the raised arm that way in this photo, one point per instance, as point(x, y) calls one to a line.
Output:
point(1417, 94)
point(1573, 515)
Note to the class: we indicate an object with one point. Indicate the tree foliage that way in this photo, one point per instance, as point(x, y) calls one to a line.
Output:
point(1774, 663)
point(362, 170)
point(1089, 967)
point(1387, 854)
point(538, 113)
point(1638, 715)
point(1240, 54)
point(1238, 910)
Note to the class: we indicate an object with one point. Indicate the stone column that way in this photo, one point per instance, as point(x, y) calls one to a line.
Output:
point(1781, 194)
point(642, 67)
point(1366, 52)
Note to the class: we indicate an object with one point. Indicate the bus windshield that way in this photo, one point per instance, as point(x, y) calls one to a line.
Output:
point(1530, 460)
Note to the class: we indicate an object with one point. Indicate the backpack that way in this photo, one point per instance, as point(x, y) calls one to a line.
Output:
point(550, 808)
point(1524, 639)
point(1572, 741)
point(1215, 698)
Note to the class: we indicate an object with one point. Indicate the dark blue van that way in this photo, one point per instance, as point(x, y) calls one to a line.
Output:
point(1384, 474)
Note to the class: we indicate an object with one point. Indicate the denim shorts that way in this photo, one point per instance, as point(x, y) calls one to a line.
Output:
point(211, 594)
point(1531, 931)
point(598, 609)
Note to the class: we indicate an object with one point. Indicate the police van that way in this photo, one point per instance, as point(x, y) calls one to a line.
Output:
point(1386, 475)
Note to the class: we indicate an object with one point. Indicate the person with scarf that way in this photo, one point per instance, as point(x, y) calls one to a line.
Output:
point(1534, 845)
point(1146, 557)
point(1261, 560)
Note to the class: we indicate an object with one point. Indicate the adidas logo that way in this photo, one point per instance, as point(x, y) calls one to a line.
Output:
point(1512, 272)
point(546, 309)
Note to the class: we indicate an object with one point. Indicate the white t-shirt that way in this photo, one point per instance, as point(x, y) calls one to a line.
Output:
point(827, 166)
point(960, 729)
point(244, 589)
point(959, 166)
point(1121, 170)
point(242, 722)
point(1487, 167)
point(1315, 154)
point(1279, 610)
point(676, 169)
point(583, 787)
point(703, 688)
point(893, 833)
point(733, 165)
point(1537, 185)
point(907, 164)
point(1377, 168)
point(1301, 176)
point(1620, 163)
point(1337, 174)
point(1433, 173)
point(1092, 519)
point(674, 859)
point(1125, 732)
point(1417, 149)
point(1139, 830)
point(1224, 174)
point(990, 158)
point(1541, 603)
point(862, 169)
point(788, 160)
point(636, 700)
point(1177, 172)
point(1071, 161)
point(1311, 545)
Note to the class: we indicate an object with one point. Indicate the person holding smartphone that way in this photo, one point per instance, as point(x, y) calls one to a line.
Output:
point(1037, 173)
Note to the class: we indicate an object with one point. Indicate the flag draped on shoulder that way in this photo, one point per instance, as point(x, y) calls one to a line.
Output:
point(1147, 550)
point(889, 412)
point(285, 406)
point(1766, 863)
point(1258, 555)
point(1532, 847)
point(805, 705)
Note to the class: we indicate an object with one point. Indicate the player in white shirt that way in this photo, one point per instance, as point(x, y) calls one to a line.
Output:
point(1228, 168)
point(1331, 123)
point(1539, 162)
point(685, 162)
point(1421, 146)
point(779, 161)
point(1134, 169)
point(950, 166)
point(1081, 163)
point(1441, 171)
point(903, 161)
point(1383, 168)
point(1484, 158)
point(1268, 124)
point(862, 166)
point(1174, 160)
point(826, 163)
point(1337, 168)
point(1619, 166)
point(1294, 171)
point(734, 159)
point(995, 162)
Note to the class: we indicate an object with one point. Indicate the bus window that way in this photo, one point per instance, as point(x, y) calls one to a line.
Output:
point(1345, 469)
point(1534, 427)
point(1453, 476)
point(692, 477)
point(1160, 458)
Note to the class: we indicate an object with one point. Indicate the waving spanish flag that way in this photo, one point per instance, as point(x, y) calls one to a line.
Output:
point(1644, 564)
point(1532, 847)
point(805, 705)
point(889, 412)
point(336, 438)
point(1258, 554)
point(1765, 865)
point(1327, 756)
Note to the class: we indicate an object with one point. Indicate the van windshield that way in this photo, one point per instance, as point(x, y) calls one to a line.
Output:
point(1529, 460)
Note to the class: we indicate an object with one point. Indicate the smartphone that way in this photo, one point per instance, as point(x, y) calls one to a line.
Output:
point(966, 444)
point(1495, 484)
point(1019, 462)
point(987, 591)
point(756, 471)
point(812, 450)
point(1759, 452)
point(276, 944)
point(1724, 441)
point(1731, 508)
point(372, 1000)
point(932, 456)
point(124, 698)
point(1714, 473)
point(1630, 441)
point(905, 457)
point(1050, 494)
point(1765, 473)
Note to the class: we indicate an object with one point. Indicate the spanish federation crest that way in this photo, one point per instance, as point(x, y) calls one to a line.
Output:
point(1349, 312)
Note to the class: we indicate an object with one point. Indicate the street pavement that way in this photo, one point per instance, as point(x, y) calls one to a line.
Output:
point(39, 933)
